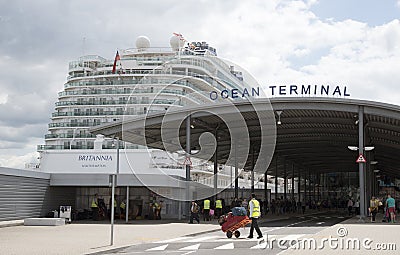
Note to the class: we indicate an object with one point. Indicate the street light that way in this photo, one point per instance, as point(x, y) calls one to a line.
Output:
point(366, 148)
point(279, 117)
point(113, 193)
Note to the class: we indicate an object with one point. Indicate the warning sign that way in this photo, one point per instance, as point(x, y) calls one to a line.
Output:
point(188, 161)
point(361, 159)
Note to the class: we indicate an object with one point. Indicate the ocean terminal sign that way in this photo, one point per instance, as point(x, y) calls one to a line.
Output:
point(283, 90)
point(309, 90)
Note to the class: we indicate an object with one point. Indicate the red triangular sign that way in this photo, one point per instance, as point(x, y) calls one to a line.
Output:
point(188, 161)
point(361, 159)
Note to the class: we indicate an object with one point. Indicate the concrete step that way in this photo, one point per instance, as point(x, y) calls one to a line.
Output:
point(44, 222)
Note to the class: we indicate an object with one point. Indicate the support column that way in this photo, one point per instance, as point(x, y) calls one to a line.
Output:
point(284, 180)
point(266, 186)
point(298, 185)
point(252, 169)
point(361, 166)
point(188, 152)
point(293, 181)
point(305, 186)
point(127, 205)
point(216, 166)
point(314, 182)
point(309, 185)
point(276, 177)
point(236, 172)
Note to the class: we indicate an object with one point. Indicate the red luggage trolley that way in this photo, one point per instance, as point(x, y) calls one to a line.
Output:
point(230, 224)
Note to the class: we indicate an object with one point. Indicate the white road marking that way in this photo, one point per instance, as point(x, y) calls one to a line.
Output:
point(261, 245)
point(158, 248)
point(174, 239)
point(190, 248)
point(292, 237)
point(188, 252)
point(320, 223)
point(200, 239)
point(228, 246)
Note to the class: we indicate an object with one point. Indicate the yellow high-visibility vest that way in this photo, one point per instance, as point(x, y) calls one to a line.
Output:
point(94, 203)
point(122, 205)
point(115, 203)
point(218, 204)
point(206, 204)
point(256, 209)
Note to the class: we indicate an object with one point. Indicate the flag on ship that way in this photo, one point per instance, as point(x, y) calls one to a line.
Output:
point(180, 36)
point(115, 62)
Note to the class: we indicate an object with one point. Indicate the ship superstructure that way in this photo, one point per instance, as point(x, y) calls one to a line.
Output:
point(138, 81)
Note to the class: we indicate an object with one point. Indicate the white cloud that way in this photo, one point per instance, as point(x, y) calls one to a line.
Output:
point(20, 162)
point(279, 42)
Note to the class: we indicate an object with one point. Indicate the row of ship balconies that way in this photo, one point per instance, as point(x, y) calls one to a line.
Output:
point(126, 91)
point(85, 147)
point(155, 82)
point(94, 113)
point(68, 135)
point(145, 80)
point(119, 102)
point(151, 62)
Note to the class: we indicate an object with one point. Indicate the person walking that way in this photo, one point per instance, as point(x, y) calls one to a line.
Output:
point(391, 206)
point(194, 212)
point(254, 209)
point(206, 209)
point(218, 208)
point(95, 208)
point(350, 206)
point(357, 207)
point(373, 208)
point(122, 207)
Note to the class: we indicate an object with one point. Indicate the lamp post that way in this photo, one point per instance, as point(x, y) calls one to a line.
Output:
point(361, 148)
point(113, 194)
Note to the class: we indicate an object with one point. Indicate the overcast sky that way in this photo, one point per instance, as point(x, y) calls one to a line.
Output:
point(344, 42)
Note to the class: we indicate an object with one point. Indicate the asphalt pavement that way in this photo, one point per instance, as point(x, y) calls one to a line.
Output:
point(282, 228)
point(283, 234)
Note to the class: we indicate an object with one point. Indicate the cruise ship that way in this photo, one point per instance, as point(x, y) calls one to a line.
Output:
point(138, 81)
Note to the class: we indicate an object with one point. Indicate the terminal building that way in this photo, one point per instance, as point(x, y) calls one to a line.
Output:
point(108, 106)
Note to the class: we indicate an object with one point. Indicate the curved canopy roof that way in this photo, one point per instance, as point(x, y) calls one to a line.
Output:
point(313, 135)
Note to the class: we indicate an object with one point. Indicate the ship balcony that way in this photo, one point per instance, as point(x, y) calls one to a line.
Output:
point(118, 102)
point(92, 113)
point(76, 124)
point(119, 92)
point(85, 147)
point(57, 136)
point(151, 81)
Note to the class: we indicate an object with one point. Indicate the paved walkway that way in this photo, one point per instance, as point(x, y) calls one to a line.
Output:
point(91, 237)
point(353, 237)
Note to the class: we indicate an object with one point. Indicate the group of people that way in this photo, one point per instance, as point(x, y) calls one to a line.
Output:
point(387, 205)
point(253, 206)
point(155, 210)
point(99, 208)
point(209, 210)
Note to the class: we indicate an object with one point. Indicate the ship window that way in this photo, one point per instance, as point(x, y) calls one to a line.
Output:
point(66, 145)
point(133, 100)
point(145, 100)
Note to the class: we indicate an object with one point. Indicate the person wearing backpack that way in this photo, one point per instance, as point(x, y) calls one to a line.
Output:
point(194, 212)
